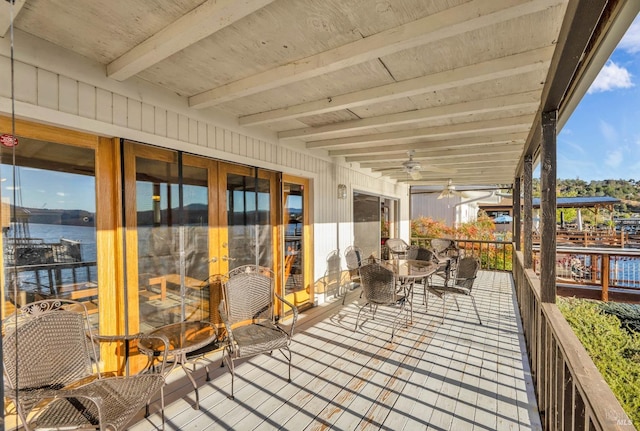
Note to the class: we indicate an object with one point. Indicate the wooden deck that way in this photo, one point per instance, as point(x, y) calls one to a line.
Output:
point(456, 375)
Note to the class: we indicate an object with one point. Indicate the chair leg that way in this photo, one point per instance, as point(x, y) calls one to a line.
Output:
point(288, 356)
point(473, 301)
point(457, 305)
point(358, 317)
point(162, 406)
point(233, 375)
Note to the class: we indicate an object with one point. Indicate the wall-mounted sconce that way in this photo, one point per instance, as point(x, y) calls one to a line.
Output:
point(342, 191)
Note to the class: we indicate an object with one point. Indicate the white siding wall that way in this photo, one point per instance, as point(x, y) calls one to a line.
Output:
point(55, 87)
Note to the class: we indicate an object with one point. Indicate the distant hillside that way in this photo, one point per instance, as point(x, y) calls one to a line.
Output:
point(628, 191)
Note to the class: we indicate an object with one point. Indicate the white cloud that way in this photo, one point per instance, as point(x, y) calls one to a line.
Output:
point(631, 40)
point(614, 158)
point(609, 133)
point(576, 147)
point(610, 78)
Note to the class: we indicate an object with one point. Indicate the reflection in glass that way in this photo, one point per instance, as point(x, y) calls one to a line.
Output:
point(48, 223)
point(172, 246)
point(366, 223)
point(293, 238)
point(249, 231)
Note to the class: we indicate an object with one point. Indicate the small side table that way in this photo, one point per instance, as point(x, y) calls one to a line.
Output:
point(184, 338)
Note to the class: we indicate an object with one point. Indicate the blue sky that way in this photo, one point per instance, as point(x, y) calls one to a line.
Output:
point(601, 140)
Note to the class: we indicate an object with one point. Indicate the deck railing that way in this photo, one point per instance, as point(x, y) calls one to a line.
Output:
point(597, 273)
point(493, 255)
point(570, 390)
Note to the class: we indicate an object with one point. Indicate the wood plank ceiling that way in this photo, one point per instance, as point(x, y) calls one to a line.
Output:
point(456, 82)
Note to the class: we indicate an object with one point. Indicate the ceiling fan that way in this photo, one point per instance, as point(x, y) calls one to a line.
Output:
point(412, 167)
point(448, 191)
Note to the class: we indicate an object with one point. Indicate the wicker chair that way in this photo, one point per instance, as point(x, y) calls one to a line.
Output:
point(397, 247)
point(49, 359)
point(379, 288)
point(447, 253)
point(415, 255)
point(462, 285)
point(248, 313)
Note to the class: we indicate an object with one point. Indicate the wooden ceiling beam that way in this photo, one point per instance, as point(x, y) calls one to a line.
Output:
point(529, 99)
point(203, 21)
point(6, 12)
point(481, 72)
point(520, 123)
point(480, 179)
point(489, 156)
point(445, 24)
point(459, 168)
point(395, 151)
point(440, 152)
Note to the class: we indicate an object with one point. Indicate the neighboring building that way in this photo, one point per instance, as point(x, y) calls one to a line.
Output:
point(452, 209)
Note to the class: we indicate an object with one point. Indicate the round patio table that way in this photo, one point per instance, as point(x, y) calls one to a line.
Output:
point(408, 272)
point(183, 338)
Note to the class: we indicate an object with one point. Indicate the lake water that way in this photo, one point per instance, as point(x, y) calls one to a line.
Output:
point(52, 233)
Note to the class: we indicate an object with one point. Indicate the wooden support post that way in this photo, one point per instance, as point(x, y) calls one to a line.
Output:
point(548, 206)
point(604, 275)
point(528, 211)
point(517, 215)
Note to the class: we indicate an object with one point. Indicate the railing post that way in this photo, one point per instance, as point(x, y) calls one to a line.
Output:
point(548, 206)
point(604, 271)
point(517, 215)
point(528, 211)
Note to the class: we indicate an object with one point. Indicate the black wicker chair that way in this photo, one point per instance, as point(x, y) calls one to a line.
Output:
point(379, 285)
point(462, 285)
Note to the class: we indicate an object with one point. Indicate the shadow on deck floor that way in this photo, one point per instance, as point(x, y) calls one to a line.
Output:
point(456, 375)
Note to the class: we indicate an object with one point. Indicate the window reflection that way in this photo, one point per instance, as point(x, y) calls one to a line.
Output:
point(172, 244)
point(48, 223)
point(249, 231)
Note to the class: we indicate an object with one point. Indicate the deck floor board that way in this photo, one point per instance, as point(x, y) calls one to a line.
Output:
point(436, 375)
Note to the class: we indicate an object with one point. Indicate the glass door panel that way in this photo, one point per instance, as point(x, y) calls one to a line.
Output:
point(188, 219)
point(171, 208)
point(157, 222)
point(249, 238)
point(296, 224)
point(366, 223)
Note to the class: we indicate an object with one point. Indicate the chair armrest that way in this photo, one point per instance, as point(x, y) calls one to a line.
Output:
point(151, 355)
point(295, 312)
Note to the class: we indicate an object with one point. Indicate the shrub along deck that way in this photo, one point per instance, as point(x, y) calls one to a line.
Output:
point(449, 375)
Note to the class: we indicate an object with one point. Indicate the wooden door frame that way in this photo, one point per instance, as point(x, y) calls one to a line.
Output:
point(307, 233)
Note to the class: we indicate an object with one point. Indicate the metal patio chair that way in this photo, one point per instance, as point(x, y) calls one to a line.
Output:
point(50, 360)
point(379, 285)
point(248, 311)
point(417, 254)
point(462, 284)
point(447, 254)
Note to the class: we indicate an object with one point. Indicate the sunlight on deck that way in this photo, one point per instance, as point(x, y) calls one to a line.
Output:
point(451, 375)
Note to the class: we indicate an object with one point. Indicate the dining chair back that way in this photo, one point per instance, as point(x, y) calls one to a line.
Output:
point(248, 310)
